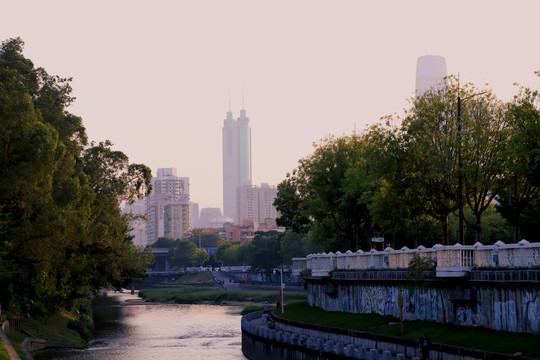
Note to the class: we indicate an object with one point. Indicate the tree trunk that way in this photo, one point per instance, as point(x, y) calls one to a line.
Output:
point(445, 235)
point(515, 233)
point(478, 228)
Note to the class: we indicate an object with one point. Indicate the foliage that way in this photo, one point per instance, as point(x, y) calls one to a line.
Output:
point(438, 165)
point(205, 238)
point(184, 253)
point(62, 233)
point(313, 195)
point(263, 252)
point(227, 253)
point(198, 295)
point(418, 266)
point(520, 186)
point(252, 308)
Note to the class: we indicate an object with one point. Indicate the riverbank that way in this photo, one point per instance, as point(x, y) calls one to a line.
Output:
point(460, 336)
point(69, 329)
point(212, 295)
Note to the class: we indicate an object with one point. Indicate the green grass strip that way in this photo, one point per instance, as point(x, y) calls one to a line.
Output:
point(193, 295)
point(470, 337)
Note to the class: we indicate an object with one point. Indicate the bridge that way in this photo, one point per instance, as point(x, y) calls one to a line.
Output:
point(450, 261)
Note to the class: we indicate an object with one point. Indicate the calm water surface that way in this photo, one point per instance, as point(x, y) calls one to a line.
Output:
point(127, 330)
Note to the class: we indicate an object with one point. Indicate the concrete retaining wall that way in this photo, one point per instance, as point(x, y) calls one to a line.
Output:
point(294, 340)
point(513, 308)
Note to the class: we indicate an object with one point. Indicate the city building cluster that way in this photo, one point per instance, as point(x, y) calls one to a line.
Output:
point(168, 211)
point(247, 208)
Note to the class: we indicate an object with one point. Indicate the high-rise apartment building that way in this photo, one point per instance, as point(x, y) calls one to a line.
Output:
point(167, 207)
point(194, 215)
point(236, 137)
point(256, 203)
point(430, 73)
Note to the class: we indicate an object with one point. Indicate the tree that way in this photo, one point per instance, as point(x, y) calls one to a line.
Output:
point(185, 254)
point(483, 138)
point(521, 182)
point(205, 238)
point(227, 253)
point(62, 233)
point(264, 252)
point(297, 245)
point(312, 197)
point(429, 138)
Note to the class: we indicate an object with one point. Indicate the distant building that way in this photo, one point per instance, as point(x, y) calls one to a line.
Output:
point(430, 73)
point(236, 151)
point(194, 215)
point(137, 224)
point(207, 216)
point(245, 232)
point(256, 203)
point(167, 207)
point(176, 220)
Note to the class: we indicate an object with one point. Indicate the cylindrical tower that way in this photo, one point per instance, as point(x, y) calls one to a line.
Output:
point(430, 73)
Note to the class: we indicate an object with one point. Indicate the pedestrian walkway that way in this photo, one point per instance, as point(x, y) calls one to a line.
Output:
point(10, 349)
point(227, 281)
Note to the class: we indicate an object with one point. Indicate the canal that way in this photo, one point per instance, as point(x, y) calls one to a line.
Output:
point(127, 328)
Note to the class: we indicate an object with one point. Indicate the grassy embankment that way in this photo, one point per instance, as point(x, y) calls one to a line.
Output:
point(183, 291)
point(471, 337)
point(71, 329)
point(3, 351)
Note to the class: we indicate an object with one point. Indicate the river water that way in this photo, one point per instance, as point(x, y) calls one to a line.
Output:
point(125, 328)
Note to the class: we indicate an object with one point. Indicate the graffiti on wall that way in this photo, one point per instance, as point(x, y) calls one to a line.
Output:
point(470, 315)
point(496, 308)
point(505, 316)
point(531, 313)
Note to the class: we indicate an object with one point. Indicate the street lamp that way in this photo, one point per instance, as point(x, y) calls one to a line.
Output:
point(281, 288)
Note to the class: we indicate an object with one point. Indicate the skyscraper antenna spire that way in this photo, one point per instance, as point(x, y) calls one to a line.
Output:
point(229, 99)
point(243, 108)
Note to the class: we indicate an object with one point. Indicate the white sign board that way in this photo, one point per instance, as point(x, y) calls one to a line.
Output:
point(378, 240)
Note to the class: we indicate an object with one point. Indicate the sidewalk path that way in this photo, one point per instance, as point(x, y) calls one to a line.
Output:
point(11, 350)
point(228, 281)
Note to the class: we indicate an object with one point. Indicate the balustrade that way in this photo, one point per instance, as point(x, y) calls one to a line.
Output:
point(455, 260)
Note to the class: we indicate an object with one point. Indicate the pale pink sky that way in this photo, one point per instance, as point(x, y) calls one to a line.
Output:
point(154, 76)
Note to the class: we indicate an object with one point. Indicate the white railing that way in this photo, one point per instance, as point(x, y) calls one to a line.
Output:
point(455, 260)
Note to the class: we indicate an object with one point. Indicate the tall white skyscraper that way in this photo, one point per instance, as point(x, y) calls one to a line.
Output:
point(167, 208)
point(236, 135)
point(430, 73)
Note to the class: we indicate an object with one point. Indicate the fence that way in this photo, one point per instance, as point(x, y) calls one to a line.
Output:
point(450, 261)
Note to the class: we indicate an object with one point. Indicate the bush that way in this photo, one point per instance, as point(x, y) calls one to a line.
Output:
point(84, 326)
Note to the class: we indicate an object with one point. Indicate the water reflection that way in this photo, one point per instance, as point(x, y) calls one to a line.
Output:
point(126, 329)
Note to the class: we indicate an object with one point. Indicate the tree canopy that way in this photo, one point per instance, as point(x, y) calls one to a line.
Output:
point(62, 233)
point(402, 177)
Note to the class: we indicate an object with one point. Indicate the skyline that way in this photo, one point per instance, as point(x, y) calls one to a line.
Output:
point(155, 79)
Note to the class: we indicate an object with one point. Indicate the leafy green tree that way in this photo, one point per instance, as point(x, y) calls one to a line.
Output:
point(185, 254)
point(312, 197)
point(429, 137)
point(297, 245)
point(263, 252)
point(205, 238)
point(61, 230)
point(164, 243)
point(521, 183)
point(227, 253)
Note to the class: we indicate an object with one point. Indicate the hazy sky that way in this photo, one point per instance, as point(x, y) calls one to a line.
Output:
point(154, 76)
